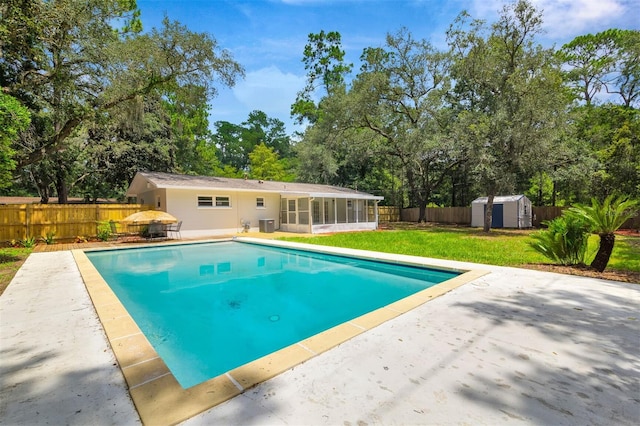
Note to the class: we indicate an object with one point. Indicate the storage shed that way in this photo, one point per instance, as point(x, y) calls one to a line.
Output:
point(509, 211)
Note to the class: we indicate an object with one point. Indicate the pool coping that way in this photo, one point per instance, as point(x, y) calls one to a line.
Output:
point(156, 393)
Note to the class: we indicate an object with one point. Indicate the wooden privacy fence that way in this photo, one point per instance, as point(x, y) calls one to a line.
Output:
point(462, 215)
point(457, 215)
point(388, 214)
point(67, 221)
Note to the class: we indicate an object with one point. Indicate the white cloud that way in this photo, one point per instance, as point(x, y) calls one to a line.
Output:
point(564, 18)
point(269, 90)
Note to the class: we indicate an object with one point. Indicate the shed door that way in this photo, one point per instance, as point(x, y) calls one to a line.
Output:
point(497, 215)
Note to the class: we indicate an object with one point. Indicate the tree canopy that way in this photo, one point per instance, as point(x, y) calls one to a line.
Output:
point(71, 66)
point(88, 98)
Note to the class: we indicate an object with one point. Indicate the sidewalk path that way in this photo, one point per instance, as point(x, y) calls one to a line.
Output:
point(56, 367)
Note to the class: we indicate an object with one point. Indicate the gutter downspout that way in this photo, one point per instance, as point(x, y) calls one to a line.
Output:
point(311, 214)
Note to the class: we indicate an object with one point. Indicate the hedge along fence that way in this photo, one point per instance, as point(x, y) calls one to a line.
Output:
point(67, 221)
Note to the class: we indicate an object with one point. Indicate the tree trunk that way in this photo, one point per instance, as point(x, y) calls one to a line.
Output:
point(43, 190)
point(61, 188)
point(61, 185)
point(422, 217)
point(44, 196)
point(488, 214)
point(604, 252)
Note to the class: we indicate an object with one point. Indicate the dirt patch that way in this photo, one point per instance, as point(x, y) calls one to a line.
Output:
point(8, 269)
point(585, 271)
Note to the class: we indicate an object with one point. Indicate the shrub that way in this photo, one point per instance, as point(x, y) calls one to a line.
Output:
point(604, 218)
point(104, 231)
point(28, 242)
point(49, 237)
point(565, 240)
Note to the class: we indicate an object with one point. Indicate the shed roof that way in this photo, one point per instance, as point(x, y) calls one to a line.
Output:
point(499, 199)
point(143, 181)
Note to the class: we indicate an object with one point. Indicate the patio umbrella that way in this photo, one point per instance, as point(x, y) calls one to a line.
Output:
point(147, 216)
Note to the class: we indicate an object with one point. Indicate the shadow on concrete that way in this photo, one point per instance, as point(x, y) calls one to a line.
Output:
point(587, 372)
point(75, 396)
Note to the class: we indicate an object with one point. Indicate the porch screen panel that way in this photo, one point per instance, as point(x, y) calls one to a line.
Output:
point(328, 211)
point(292, 211)
point(341, 207)
point(283, 210)
point(361, 212)
point(371, 212)
point(303, 211)
point(316, 212)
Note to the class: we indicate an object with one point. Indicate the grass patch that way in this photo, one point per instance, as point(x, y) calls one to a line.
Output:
point(499, 247)
point(11, 259)
point(626, 254)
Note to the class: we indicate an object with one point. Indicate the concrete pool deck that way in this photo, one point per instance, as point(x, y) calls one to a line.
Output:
point(515, 346)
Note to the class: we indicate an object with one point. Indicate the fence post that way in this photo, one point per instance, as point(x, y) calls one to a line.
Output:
point(28, 220)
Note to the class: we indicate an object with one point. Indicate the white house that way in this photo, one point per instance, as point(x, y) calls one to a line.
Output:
point(219, 205)
point(509, 211)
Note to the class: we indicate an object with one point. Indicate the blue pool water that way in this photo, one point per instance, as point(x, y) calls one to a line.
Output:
point(208, 308)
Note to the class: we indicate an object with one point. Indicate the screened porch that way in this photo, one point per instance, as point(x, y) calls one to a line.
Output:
point(318, 215)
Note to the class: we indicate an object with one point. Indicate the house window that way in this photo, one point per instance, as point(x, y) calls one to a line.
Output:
point(260, 203)
point(205, 201)
point(223, 202)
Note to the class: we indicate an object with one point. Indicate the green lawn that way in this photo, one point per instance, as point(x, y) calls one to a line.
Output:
point(11, 259)
point(499, 247)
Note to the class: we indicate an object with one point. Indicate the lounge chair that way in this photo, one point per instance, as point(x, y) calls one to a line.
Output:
point(175, 228)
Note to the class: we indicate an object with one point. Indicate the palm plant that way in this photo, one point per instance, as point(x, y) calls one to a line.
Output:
point(564, 241)
point(604, 219)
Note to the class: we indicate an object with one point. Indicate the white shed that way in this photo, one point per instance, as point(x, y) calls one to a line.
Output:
point(509, 211)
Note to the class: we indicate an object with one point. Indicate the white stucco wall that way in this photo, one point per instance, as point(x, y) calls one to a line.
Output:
point(183, 204)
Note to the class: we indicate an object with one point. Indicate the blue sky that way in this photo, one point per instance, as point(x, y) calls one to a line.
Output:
point(267, 37)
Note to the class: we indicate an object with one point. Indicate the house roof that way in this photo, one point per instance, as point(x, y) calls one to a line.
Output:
point(499, 199)
point(144, 181)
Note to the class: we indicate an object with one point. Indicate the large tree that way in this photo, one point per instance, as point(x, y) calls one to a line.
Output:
point(265, 164)
point(326, 71)
point(611, 136)
point(114, 148)
point(603, 64)
point(14, 118)
point(68, 63)
point(511, 100)
point(235, 142)
point(400, 97)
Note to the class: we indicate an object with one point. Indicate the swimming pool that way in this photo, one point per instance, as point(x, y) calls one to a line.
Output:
point(209, 308)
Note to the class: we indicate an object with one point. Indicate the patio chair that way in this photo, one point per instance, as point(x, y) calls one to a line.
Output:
point(156, 231)
point(114, 231)
point(174, 228)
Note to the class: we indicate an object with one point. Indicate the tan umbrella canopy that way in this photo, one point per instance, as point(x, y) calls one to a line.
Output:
point(147, 216)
